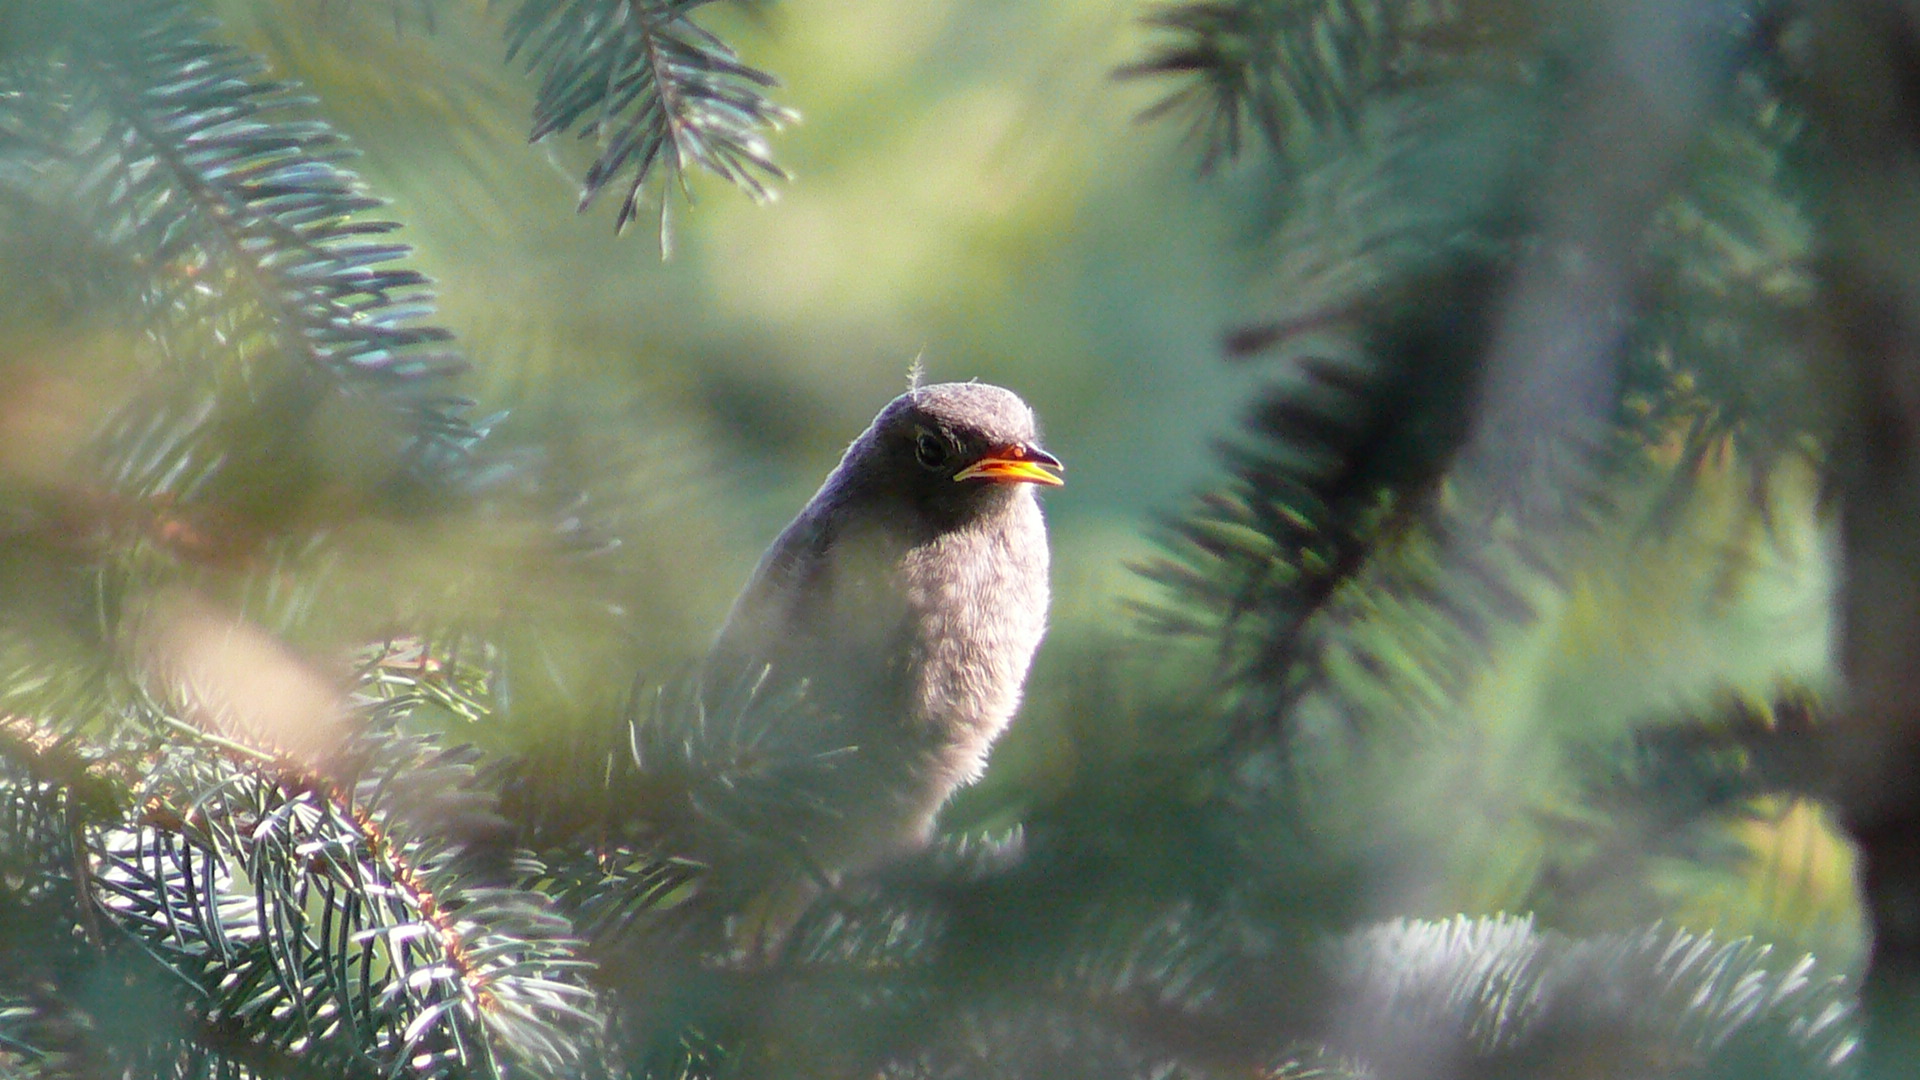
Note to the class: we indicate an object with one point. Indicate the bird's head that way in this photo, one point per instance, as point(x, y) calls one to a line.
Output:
point(955, 447)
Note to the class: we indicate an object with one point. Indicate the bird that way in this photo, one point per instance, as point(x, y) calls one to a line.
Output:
point(904, 604)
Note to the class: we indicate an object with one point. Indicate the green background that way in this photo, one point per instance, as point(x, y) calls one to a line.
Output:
point(971, 188)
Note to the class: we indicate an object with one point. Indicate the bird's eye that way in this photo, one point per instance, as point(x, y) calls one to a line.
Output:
point(931, 450)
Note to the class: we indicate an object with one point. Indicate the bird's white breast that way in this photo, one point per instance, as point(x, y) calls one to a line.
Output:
point(978, 597)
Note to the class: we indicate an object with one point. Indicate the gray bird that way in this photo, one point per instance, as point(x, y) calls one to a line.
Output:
point(905, 602)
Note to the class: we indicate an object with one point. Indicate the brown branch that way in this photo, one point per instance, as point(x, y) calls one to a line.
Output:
point(390, 853)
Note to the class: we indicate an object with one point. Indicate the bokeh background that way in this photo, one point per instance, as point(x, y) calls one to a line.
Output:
point(971, 189)
point(1465, 632)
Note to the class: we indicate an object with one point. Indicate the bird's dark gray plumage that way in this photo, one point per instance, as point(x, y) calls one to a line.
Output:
point(908, 597)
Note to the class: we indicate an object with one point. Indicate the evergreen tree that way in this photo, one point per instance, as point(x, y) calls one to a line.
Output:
point(1538, 284)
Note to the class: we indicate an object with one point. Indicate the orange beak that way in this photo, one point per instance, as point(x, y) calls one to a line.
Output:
point(1015, 465)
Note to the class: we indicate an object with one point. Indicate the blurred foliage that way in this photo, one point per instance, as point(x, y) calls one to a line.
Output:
point(346, 722)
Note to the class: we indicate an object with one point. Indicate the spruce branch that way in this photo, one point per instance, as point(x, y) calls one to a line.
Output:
point(1672, 792)
point(66, 977)
point(1380, 297)
point(736, 788)
point(1728, 354)
point(336, 923)
point(1341, 563)
point(1717, 759)
point(658, 94)
point(257, 268)
point(1653, 1002)
point(1294, 71)
point(452, 675)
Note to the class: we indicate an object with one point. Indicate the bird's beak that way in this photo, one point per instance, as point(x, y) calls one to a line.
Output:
point(1015, 465)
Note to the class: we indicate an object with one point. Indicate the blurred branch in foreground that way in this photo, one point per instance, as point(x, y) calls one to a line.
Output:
point(1534, 282)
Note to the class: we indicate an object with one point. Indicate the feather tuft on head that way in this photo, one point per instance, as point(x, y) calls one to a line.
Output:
point(916, 372)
